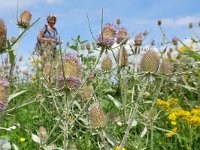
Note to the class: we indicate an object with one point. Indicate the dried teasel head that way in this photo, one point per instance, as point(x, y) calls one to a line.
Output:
point(24, 19)
point(166, 67)
point(3, 36)
point(86, 93)
point(106, 64)
point(42, 133)
point(4, 93)
point(150, 61)
point(96, 115)
point(122, 57)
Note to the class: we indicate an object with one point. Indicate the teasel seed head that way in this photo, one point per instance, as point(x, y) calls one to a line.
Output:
point(122, 57)
point(96, 115)
point(107, 37)
point(42, 133)
point(24, 19)
point(138, 39)
point(166, 67)
point(3, 36)
point(72, 71)
point(159, 22)
point(122, 35)
point(86, 93)
point(106, 64)
point(150, 61)
point(175, 41)
point(118, 21)
point(4, 93)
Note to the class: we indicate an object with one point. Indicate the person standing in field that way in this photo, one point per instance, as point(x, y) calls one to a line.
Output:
point(47, 39)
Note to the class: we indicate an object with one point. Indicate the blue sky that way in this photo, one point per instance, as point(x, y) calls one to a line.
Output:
point(136, 15)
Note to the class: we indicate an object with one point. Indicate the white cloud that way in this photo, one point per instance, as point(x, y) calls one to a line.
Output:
point(184, 21)
point(172, 22)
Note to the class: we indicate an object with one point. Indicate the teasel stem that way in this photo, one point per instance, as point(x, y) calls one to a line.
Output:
point(133, 113)
point(106, 146)
point(65, 121)
point(155, 97)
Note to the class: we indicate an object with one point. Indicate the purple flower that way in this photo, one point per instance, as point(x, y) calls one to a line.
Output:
point(107, 37)
point(122, 35)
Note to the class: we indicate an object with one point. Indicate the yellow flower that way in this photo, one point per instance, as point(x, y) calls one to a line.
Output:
point(185, 48)
point(22, 139)
point(169, 134)
point(117, 148)
point(172, 116)
point(173, 123)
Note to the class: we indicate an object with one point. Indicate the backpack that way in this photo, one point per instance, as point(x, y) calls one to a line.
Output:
point(39, 47)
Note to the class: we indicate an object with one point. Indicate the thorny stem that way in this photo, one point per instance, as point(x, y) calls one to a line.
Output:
point(132, 114)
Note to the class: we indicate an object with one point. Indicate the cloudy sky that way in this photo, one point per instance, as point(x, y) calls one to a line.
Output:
point(136, 15)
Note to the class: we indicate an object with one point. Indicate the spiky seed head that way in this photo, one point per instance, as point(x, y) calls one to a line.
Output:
point(159, 22)
point(166, 67)
point(72, 71)
point(13, 39)
point(86, 93)
point(190, 25)
point(122, 35)
point(150, 61)
point(3, 35)
point(4, 92)
point(106, 64)
point(148, 118)
point(42, 133)
point(107, 37)
point(138, 39)
point(175, 41)
point(96, 115)
point(24, 19)
point(122, 57)
point(71, 66)
point(88, 46)
point(83, 46)
point(118, 21)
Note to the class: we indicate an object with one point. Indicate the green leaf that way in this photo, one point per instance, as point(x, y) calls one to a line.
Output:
point(115, 101)
point(16, 95)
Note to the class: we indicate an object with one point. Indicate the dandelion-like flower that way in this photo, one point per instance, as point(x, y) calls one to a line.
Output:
point(3, 93)
point(150, 61)
point(107, 37)
point(106, 64)
point(24, 19)
point(122, 57)
point(122, 35)
point(3, 34)
point(97, 118)
point(70, 71)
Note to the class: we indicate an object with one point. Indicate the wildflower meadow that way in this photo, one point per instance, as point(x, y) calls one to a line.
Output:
point(117, 91)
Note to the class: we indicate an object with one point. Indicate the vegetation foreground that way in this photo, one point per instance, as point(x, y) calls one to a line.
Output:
point(115, 93)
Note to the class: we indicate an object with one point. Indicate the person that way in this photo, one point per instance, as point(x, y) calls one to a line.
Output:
point(47, 38)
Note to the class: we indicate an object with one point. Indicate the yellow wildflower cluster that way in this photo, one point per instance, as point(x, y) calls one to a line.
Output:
point(167, 105)
point(171, 133)
point(185, 48)
point(192, 118)
point(117, 148)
